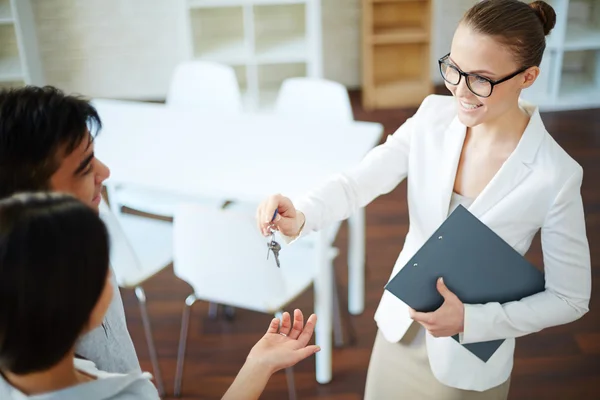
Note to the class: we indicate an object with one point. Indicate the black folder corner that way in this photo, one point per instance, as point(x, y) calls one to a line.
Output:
point(477, 265)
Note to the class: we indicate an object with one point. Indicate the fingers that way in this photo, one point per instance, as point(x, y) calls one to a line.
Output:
point(286, 324)
point(265, 212)
point(425, 318)
point(305, 352)
point(443, 289)
point(298, 324)
point(273, 326)
point(270, 207)
point(308, 330)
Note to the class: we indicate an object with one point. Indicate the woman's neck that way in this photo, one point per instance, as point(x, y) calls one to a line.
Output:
point(508, 128)
point(60, 376)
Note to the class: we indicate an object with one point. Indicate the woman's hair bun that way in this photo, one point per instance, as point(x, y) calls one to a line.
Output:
point(545, 13)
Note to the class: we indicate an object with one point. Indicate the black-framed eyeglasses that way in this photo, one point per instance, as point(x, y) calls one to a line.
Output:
point(479, 85)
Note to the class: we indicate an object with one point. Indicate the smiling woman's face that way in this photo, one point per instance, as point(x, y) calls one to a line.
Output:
point(481, 54)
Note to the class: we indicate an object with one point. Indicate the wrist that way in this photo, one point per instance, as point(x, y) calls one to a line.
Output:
point(258, 368)
point(300, 221)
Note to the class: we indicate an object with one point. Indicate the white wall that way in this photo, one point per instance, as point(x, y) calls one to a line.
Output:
point(112, 48)
point(128, 48)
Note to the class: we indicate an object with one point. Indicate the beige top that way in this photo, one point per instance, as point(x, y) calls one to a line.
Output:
point(457, 199)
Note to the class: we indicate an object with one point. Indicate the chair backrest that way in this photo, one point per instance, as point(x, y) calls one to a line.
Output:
point(205, 86)
point(223, 256)
point(314, 98)
point(123, 259)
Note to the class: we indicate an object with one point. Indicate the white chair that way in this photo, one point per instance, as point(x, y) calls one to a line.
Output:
point(314, 98)
point(205, 87)
point(202, 86)
point(223, 256)
point(139, 248)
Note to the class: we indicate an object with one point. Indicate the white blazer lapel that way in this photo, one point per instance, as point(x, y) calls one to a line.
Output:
point(514, 170)
point(454, 138)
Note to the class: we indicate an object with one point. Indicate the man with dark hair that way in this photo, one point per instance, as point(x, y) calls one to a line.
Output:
point(46, 143)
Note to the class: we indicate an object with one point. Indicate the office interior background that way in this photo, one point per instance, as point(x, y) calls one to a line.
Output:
point(230, 85)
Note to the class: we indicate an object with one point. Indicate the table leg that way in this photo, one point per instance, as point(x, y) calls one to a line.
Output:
point(323, 308)
point(356, 262)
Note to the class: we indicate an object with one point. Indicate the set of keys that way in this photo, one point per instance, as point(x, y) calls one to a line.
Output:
point(272, 245)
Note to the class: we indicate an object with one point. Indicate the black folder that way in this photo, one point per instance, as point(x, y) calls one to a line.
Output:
point(477, 265)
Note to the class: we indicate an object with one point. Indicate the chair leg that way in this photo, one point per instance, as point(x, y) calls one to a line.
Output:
point(338, 332)
point(289, 374)
point(213, 310)
point(341, 317)
point(229, 313)
point(185, 319)
point(141, 296)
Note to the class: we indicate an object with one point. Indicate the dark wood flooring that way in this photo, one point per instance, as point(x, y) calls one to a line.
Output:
point(558, 363)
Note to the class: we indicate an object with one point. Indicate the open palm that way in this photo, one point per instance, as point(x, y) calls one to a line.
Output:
point(286, 345)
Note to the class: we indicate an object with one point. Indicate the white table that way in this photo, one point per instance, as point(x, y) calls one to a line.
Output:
point(199, 155)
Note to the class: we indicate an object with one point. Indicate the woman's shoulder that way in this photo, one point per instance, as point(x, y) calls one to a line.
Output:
point(436, 109)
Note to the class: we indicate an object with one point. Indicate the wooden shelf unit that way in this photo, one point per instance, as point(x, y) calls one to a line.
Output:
point(396, 53)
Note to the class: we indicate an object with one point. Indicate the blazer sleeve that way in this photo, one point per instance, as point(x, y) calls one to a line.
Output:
point(380, 171)
point(566, 257)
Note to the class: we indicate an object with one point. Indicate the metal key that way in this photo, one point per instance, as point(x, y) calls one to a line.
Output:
point(272, 245)
point(275, 248)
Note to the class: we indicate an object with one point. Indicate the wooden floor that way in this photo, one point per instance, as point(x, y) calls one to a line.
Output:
point(559, 363)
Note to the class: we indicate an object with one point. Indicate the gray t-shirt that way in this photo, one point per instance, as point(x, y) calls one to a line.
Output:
point(107, 386)
point(110, 346)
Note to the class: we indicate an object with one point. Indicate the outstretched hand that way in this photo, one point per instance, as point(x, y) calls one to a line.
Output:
point(286, 345)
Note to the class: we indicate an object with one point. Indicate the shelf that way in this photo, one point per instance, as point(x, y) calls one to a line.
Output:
point(393, 62)
point(582, 37)
point(6, 16)
point(580, 74)
point(400, 22)
point(269, 40)
point(10, 69)
point(402, 93)
point(232, 52)
point(397, 1)
point(10, 62)
point(544, 86)
point(270, 78)
point(579, 83)
point(280, 34)
point(11, 84)
point(400, 75)
point(236, 3)
point(400, 35)
point(218, 35)
point(282, 50)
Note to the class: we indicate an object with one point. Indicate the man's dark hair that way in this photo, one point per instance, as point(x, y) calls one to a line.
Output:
point(39, 126)
point(54, 255)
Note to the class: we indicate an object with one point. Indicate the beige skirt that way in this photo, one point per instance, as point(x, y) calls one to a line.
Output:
point(401, 371)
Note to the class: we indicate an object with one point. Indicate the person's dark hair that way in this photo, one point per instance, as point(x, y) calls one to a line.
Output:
point(38, 127)
point(53, 269)
point(520, 26)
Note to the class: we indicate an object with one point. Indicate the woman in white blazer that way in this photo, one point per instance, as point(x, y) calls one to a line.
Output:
point(487, 149)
